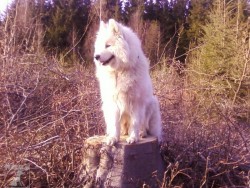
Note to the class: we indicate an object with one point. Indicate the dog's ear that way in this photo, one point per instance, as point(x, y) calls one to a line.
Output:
point(113, 26)
point(102, 25)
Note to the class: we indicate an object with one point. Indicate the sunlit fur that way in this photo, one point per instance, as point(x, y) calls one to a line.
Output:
point(128, 103)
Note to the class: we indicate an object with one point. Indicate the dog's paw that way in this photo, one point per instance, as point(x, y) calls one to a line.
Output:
point(132, 139)
point(111, 140)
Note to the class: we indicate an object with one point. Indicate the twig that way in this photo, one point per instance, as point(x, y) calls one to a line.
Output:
point(85, 31)
point(204, 178)
point(233, 124)
point(242, 76)
point(43, 143)
point(23, 102)
point(38, 167)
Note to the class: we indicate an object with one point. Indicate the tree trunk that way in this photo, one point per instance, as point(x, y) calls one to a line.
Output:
point(122, 165)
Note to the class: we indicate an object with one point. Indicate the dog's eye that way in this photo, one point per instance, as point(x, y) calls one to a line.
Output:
point(107, 45)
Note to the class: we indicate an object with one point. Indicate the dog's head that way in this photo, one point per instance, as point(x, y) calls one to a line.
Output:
point(111, 48)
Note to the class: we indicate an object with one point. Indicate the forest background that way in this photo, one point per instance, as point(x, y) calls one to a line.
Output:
point(49, 98)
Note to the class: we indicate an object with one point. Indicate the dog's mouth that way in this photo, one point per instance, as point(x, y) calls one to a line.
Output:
point(107, 61)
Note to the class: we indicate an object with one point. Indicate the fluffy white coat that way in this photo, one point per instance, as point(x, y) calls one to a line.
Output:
point(128, 103)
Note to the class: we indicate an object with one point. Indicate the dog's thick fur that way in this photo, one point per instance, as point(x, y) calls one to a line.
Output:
point(122, 69)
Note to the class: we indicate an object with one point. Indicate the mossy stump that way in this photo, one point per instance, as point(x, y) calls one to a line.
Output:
point(122, 165)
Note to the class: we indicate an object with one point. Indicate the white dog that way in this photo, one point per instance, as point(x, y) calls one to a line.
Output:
point(122, 69)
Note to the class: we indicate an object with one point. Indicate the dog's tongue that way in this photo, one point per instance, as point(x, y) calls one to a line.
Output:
point(104, 62)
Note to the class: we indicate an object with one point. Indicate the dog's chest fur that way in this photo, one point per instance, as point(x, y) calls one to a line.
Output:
point(119, 87)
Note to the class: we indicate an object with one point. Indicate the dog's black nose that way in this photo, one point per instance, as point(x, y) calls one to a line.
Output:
point(97, 57)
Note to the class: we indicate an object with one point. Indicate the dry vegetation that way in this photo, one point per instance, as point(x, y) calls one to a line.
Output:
point(47, 111)
point(199, 151)
point(45, 115)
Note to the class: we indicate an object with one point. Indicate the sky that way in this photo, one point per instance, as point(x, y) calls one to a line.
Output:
point(3, 5)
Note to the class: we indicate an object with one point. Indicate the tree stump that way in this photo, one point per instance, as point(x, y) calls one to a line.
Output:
point(122, 165)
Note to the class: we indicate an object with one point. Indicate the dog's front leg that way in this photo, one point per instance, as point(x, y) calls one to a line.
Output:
point(111, 116)
point(134, 128)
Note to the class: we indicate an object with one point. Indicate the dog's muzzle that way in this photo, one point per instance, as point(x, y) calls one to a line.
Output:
point(97, 57)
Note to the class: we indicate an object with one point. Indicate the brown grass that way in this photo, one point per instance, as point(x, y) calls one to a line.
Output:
point(47, 111)
point(200, 151)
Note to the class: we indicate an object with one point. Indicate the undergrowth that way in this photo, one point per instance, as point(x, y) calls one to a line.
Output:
point(47, 111)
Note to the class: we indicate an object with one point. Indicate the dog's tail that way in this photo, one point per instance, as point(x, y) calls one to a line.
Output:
point(155, 126)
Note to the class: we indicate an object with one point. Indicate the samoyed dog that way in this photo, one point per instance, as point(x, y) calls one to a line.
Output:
point(128, 103)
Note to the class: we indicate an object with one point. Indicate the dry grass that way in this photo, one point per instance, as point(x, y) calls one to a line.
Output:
point(200, 151)
point(47, 111)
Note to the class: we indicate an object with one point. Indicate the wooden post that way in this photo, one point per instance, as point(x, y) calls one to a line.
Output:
point(122, 165)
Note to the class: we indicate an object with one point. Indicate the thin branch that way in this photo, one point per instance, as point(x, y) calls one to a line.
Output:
point(37, 166)
point(43, 143)
point(23, 102)
point(242, 76)
point(85, 31)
